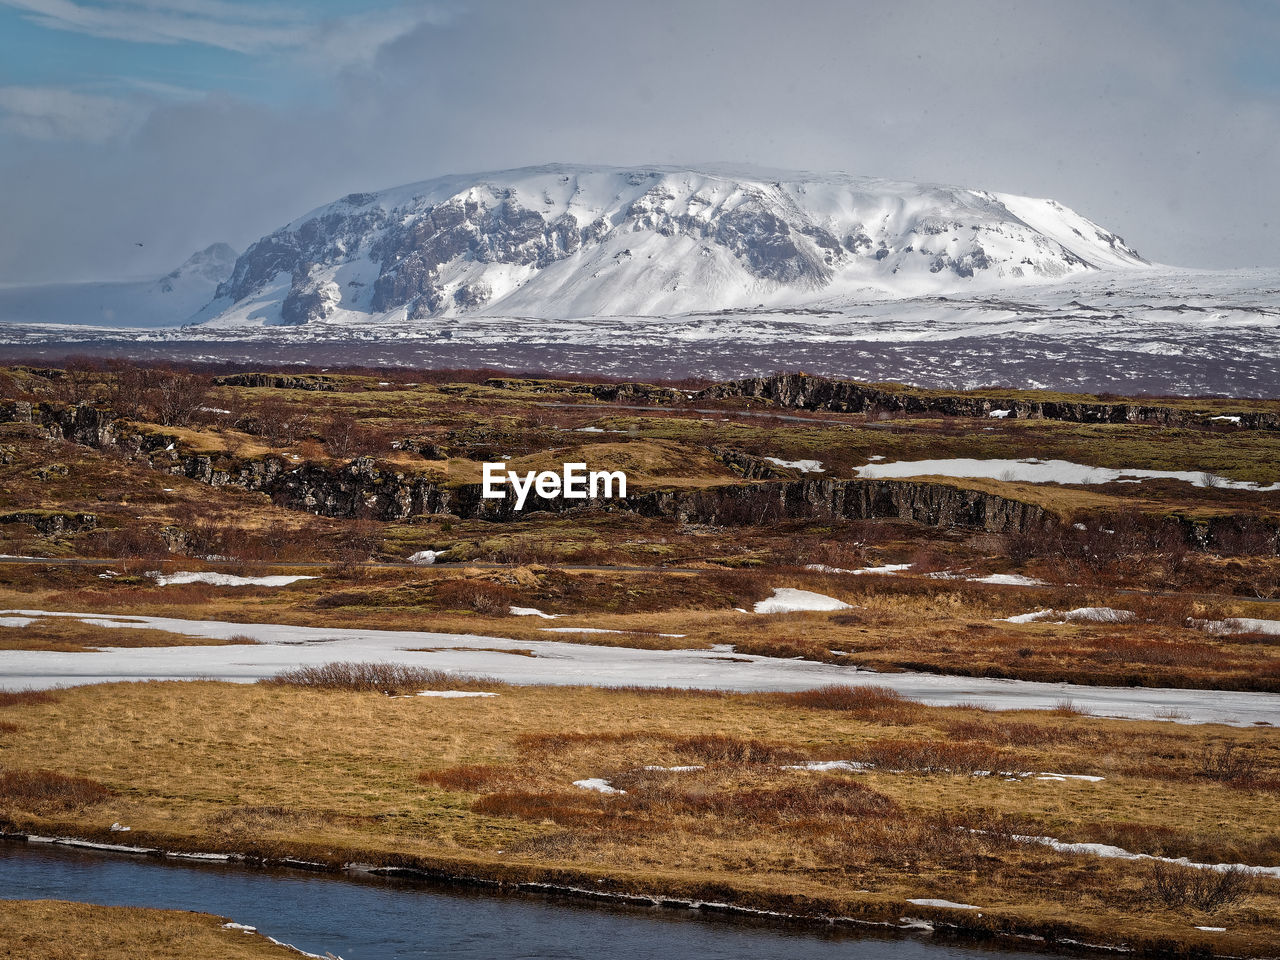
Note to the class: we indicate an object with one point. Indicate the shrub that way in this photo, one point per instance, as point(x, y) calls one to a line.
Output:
point(1179, 887)
point(46, 788)
point(939, 756)
point(16, 698)
point(880, 703)
point(717, 748)
point(469, 778)
point(390, 678)
point(478, 595)
point(1227, 764)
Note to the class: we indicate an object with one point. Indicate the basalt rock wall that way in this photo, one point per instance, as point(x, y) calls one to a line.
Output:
point(803, 392)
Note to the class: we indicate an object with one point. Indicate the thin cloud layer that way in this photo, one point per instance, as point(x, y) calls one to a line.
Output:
point(1160, 120)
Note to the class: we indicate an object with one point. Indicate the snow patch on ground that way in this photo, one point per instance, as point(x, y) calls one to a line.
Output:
point(1079, 615)
point(531, 612)
point(16, 621)
point(824, 766)
point(1032, 470)
point(791, 600)
point(1106, 850)
point(223, 579)
point(453, 694)
point(804, 466)
point(1237, 625)
point(578, 630)
point(888, 568)
point(1009, 580)
point(280, 647)
point(597, 784)
point(951, 904)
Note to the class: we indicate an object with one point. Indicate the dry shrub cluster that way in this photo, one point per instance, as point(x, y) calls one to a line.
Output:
point(47, 788)
point(815, 799)
point(481, 596)
point(23, 698)
point(393, 679)
point(882, 704)
point(220, 535)
point(466, 778)
point(704, 748)
point(1228, 763)
point(908, 842)
point(1162, 653)
point(1018, 733)
point(737, 789)
point(939, 756)
point(1179, 887)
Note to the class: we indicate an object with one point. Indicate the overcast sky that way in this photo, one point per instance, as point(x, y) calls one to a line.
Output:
point(177, 124)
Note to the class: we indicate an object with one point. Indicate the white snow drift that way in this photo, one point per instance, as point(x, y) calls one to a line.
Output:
point(284, 647)
point(1031, 470)
point(223, 579)
point(791, 600)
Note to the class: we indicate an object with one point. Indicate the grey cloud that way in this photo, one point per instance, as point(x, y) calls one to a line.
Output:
point(52, 113)
point(1133, 114)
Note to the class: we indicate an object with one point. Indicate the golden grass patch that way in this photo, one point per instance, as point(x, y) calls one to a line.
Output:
point(59, 930)
point(486, 786)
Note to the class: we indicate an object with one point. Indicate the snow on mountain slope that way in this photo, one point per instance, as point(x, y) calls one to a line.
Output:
point(166, 302)
point(571, 241)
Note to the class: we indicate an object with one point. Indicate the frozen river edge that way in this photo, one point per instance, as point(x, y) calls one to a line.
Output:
point(282, 647)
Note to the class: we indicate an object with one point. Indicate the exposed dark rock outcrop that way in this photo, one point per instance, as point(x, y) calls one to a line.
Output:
point(52, 523)
point(365, 487)
point(280, 381)
point(803, 392)
point(608, 392)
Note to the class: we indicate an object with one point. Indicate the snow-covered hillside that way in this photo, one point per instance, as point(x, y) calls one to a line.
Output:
point(572, 241)
point(164, 302)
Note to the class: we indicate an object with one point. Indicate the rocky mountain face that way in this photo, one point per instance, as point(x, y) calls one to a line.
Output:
point(564, 241)
point(212, 265)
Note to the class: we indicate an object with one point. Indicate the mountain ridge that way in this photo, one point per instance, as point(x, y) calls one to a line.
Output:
point(566, 240)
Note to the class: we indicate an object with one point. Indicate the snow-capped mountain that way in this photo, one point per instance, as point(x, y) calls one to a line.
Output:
point(163, 302)
point(572, 241)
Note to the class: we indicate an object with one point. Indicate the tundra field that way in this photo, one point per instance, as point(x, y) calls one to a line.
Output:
point(789, 523)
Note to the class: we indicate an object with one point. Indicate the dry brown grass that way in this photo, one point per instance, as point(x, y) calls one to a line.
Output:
point(20, 698)
point(485, 786)
point(880, 704)
point(58, 930)
point(50, 790)
point(68, 635)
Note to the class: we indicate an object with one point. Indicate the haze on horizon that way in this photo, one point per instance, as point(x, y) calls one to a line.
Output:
point(133, 132)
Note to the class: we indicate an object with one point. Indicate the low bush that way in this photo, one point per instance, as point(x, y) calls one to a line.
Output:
point(393, 679)
point(47, 788)
point(469, 778)
point(874, 702)
point(939, 756)
point(21, 698)
point(1227, 763)
point(1180, 887)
